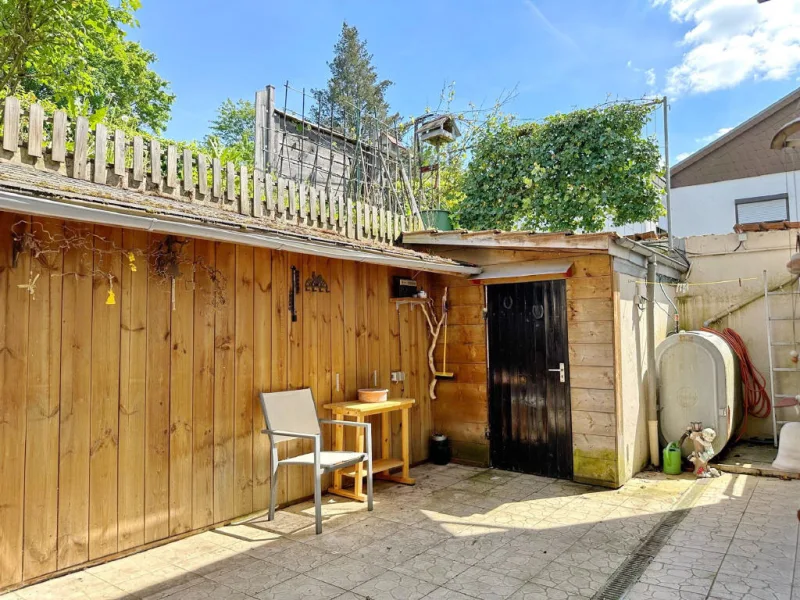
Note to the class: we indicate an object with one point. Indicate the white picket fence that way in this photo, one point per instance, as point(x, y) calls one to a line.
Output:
point(138, 164)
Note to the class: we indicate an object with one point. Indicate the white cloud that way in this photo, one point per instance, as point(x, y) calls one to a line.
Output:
point(683, 156)
point(731, 41)
point(649, 74)
point(707, 139)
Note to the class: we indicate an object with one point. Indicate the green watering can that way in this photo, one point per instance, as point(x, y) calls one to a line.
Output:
point(672, 459)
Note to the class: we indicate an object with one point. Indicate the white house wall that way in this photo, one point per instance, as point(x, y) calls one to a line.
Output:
point(711, 208)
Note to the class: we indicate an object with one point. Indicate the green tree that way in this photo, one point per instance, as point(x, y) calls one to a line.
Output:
point(232, 136)
point(571, 172)
point(76, 54)
point(353, 88)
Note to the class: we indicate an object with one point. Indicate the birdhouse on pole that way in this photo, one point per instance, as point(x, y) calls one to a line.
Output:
point(439, 130)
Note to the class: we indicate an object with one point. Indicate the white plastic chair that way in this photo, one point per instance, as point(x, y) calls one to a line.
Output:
point(293, 414)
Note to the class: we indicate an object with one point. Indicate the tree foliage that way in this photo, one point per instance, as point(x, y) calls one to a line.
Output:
point(353, 88)
point(76, 54)
point(571, 172)
point(232, 136)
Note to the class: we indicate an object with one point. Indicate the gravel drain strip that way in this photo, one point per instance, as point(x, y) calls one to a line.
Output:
point(632, 569)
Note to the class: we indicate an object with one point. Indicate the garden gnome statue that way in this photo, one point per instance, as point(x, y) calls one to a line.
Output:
point(703, 452)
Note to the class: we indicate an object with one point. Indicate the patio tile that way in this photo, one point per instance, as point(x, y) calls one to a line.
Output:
point(485, 584)
point(548, 543)
point(160, 583)
point(534, 591)
point(395, 586)
point(124, 569)
point(737, 587)
point(431, 568)
point(345, 572)
point(473, 486)
point(445, 594)
point(778, 570)
point(760, 533)
point(515, 490)
point(517, 562)
point(75, 586)
point(254, 578)
point(208, 590)
point(690, 557)
point(700, 540)
point(224, 559)
point(684, 579)
point(644, 591)
point(301, 587)
point(475, 544)
point(350, 596)
point(740, 547)
point(398, 548)
point(594, 559)
point(298, 557)
point(573, 580)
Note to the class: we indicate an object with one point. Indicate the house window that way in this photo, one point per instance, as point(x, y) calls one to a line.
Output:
point(762, 209)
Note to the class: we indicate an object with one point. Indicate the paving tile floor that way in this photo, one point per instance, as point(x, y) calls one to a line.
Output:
point(464, 533)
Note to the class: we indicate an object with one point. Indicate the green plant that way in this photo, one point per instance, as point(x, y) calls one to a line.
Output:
point(571, 172)
point(77, 55)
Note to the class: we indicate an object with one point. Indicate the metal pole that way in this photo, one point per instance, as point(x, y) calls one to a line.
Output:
point(670, 240)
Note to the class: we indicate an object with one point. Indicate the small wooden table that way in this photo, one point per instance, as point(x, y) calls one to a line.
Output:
point(381, 466)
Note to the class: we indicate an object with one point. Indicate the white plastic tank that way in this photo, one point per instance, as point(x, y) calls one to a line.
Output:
point(698, 380)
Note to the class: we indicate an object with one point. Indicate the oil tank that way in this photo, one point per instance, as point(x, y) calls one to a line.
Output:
point(698, 380)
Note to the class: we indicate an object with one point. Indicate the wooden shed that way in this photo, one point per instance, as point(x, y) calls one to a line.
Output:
point(548, 348)
point(144, 303)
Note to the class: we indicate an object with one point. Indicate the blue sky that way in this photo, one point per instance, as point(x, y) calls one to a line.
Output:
point(721, 60)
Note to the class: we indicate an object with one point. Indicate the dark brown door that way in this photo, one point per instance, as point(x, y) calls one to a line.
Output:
point(529, 403)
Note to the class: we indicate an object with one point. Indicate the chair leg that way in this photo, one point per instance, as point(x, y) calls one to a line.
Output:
point(318, 499)
point(369, 483)
point(273, 484)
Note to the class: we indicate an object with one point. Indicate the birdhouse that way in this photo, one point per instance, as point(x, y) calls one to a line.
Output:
point(439, 130)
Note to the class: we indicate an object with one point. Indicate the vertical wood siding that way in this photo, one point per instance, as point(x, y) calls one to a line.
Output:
point(461, 409)
point(128, 423)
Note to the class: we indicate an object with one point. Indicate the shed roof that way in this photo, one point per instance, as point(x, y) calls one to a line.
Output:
point(566, 241)
point(28, 190)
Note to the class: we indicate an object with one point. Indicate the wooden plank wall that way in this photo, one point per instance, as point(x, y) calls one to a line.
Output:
point(124, 424)
point(461, 409)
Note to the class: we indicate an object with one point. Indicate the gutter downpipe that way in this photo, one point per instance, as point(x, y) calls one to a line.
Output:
point(652, 388)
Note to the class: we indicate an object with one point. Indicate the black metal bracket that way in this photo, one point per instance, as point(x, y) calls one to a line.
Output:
point(294, 289)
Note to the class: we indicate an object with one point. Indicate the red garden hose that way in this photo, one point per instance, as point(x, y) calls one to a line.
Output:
point(756, 399)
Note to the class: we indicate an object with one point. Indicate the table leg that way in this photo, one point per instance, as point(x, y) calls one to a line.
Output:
point(386, 435)
point(338, 445)
point(359, 482)
point(405, 433)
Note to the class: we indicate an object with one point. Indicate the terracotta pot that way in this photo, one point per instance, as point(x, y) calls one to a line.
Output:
point(373, 395)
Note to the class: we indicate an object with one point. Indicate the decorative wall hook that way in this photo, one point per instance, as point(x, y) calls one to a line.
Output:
point(316, 283)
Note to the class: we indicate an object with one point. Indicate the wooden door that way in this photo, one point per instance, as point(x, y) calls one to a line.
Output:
point(529, 399)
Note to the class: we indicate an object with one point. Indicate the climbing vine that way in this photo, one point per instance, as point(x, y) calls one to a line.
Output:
point(572, 171)
point(167, 261)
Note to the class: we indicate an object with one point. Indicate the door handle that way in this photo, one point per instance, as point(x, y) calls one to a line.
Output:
point(561, 373)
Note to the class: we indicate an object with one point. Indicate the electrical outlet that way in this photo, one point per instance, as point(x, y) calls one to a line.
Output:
point(742, 237)
point(398, 376)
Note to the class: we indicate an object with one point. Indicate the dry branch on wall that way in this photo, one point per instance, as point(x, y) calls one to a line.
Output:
point(434, 327)
point(166, 257)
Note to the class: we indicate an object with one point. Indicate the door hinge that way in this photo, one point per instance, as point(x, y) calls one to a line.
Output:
point(485, 313)
point(486, 433)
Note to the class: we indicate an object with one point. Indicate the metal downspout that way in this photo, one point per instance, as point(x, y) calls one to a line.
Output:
point(652, 388)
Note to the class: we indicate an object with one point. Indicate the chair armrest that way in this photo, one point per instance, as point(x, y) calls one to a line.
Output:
point(309, 436)
point(351, 423)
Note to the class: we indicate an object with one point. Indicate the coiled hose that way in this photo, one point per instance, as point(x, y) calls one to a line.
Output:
point(756, 399)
